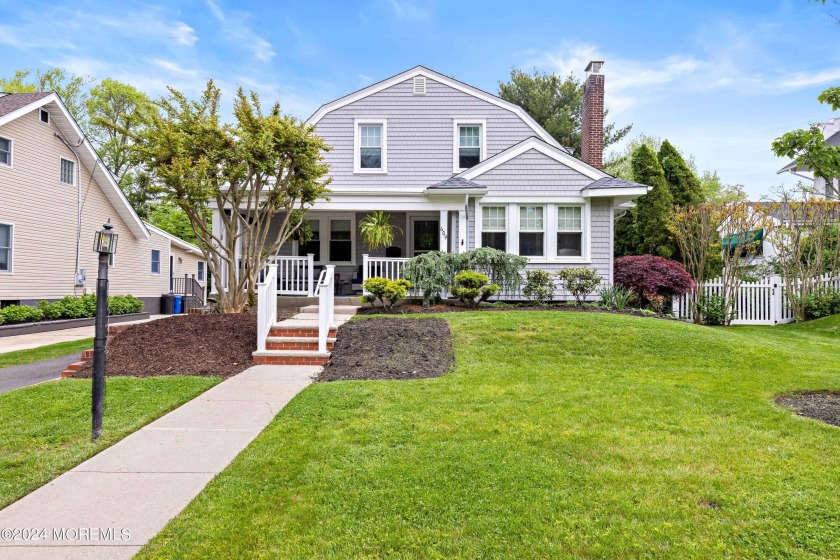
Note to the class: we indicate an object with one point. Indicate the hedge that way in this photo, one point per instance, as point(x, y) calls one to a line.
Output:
point(68, 307)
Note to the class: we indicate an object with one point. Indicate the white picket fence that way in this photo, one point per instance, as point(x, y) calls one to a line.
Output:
point(758, 303)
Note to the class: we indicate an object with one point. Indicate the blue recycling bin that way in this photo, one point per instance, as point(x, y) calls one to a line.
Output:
point(179, 304)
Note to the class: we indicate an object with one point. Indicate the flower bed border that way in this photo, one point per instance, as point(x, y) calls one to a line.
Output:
point(61, 324)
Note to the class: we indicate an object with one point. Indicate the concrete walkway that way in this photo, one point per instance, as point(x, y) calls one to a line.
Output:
point(112, 504)
point(15, 377)
point(36, 340)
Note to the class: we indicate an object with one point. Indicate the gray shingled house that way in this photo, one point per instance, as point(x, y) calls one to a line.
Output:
point(457, 168)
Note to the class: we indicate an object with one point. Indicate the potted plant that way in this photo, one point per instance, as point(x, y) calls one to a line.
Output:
point(377, 230)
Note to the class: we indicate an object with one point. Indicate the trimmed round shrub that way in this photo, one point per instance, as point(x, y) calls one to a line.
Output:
point(651, 277)
point(539, 286)
point(20, 314)
point(472, 287)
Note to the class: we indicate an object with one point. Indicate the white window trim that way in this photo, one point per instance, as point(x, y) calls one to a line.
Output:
point(479, 216)
point(11, 163)
point(201, 277)
point(60, 159)
point(326, 232)
point(49, 117)
point(357, 124)
point(410, 218)
point(11, 249)
point(549, 225)
point(467, 121)
point(152, 260)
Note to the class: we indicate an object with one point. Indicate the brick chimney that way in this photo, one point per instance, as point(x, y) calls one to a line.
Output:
point(592, 117)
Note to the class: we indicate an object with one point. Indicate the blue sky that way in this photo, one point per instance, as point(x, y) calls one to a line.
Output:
point(720, 79)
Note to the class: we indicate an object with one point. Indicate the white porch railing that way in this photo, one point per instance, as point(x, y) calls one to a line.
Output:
point(382, 267)
point(295, 275)
point(266, 304)
point(757, 303)
point(325, 290)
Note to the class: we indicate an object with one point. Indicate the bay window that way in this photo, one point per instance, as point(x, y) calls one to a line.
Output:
point(569, 231)
point(531, 231)
point(493, 227)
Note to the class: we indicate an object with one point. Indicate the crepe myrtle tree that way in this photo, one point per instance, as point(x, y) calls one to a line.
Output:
point(262, 165)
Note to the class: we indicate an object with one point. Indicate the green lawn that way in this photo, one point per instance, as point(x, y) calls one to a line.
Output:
point(45, 429)
point(20, 357)
point(559, 435)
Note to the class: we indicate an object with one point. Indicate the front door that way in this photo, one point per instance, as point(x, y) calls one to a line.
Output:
point(425, 235)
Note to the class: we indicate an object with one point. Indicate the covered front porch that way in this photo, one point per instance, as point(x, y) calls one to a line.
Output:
point(433, 225)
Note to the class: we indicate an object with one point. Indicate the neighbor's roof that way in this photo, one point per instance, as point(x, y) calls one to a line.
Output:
point(177, 241)
point(834, 139)
point(10, 102)
point(613, 183)
point(457, 183)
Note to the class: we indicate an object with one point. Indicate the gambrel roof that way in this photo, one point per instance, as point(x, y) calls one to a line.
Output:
point(446, 80)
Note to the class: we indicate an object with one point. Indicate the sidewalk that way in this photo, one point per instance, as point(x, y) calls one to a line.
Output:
point(112, 504)
point(35, 340)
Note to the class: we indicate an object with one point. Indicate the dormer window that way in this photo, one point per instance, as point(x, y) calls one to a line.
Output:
point(469, 144)
point(371, 146)
point(45, 116)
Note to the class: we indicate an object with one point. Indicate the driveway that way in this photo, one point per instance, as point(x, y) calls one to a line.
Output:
point(15, 377)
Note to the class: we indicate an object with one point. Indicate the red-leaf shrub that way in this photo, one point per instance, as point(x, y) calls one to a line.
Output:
point(648, 276)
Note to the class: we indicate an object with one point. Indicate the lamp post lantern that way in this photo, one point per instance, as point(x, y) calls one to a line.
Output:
point(104, 243)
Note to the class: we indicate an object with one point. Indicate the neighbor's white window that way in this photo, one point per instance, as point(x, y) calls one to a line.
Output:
point(5, 151)
point(155, 261)
point(569, 231)
point(371, 146)
point(493, 227)
point(532, 231)
point(5, 248)
point(68, 169)
point(341, 240)
point(200, 275)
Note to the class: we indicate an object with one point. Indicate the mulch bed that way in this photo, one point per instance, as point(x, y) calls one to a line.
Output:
point(449, 307)
point(214, 344)
point(390, 349)
point(823, 406)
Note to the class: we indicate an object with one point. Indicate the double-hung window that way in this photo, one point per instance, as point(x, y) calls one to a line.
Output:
point(341, 240)
point(469, 145)
point(371, 146)
point(493, 227)
point(313, 245)
point(5, 151)
point(532, 231)
point(5, 248)
point(569, 231)
point(68, 172)
point(155, 261)
point(201, 271)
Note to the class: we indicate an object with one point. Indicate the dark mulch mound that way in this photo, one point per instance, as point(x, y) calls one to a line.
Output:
point(214, 344)
point(823, 406)
point(448, 307)
point(390, 349)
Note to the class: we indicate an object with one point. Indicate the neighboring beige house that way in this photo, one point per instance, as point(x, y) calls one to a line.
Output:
point(55, 193)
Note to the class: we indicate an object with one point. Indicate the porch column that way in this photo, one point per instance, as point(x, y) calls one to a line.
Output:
point(444, 229)
point(462, 231)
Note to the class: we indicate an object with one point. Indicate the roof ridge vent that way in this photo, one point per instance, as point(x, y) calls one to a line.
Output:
point(419, 85)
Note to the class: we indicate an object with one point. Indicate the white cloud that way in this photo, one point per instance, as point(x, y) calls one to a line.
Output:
point(173, 67)
point(365, 78)
point(403, 9)
point(235, 27)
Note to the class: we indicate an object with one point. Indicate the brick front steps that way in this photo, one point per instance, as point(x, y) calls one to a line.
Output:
point(295, 341)
point(87, 355)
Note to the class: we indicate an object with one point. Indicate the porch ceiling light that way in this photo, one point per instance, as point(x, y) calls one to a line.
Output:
point(105, 240)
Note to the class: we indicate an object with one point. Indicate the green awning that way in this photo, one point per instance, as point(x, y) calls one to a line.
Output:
point(742, 239)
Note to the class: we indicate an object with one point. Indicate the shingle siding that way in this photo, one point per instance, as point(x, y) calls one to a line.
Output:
point(533, 173)
point(419, 135)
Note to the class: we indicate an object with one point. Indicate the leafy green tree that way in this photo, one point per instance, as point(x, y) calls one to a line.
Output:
point(684, 185)
point(715, 192)
point(117, 113)
point(170, 218)
point(70, 87)
point(618, 164)
point(266, 167)
point(808, 148)
point(653, 210)
point(556, 104)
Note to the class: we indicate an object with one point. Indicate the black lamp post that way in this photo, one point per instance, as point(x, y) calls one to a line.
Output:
point(104, 243)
